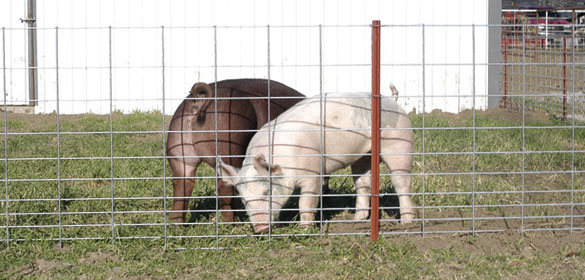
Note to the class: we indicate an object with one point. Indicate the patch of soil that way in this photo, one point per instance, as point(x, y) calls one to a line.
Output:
point(98, 258)
point(43, 266)
point(501, 232)
point(40, 267)
point(547, 243)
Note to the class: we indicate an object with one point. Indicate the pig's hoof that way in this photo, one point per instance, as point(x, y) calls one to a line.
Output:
point(176, 221)
point(229, 218)
point(407, 218)
point(361, 215)
point(307, 224)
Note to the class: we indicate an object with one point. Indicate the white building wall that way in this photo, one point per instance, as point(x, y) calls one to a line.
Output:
point(242, 49)
point(14, 52)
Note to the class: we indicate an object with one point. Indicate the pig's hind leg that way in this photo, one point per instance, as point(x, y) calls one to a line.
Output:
point(362, 181)
point(400, 165)
point(183, 187)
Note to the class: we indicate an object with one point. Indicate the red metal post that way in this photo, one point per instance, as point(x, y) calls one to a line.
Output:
point(564, 77)
point(375, 213)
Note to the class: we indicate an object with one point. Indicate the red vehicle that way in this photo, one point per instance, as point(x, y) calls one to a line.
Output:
point(544, 25)
point(548, 21)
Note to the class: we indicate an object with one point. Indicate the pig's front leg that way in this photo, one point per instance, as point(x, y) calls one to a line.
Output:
point(310, 190)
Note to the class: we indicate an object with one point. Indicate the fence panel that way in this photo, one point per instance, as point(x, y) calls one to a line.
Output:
point(70, 176)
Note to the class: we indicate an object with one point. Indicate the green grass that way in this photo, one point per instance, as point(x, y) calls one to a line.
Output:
point(332, 258)
point(97, 189)
point(88, 202)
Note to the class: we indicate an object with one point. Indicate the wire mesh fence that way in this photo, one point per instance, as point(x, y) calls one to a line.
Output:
point(125, 174)
point(545, 64)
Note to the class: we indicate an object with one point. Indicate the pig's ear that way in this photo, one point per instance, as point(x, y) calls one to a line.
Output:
point(229, 172)
point(260, 163)
point(200, 90)
point(261, 166)
point(275, 169)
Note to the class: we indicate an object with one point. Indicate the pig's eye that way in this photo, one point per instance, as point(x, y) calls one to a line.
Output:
point(265, 192)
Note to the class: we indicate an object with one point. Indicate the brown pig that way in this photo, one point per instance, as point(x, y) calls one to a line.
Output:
point(242, 107)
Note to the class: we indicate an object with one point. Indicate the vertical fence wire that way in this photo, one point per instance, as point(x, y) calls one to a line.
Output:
point(523, 124)
point(270, 144)
point(474, 129)
point(321, 132)
point(110, 66)
point(164, 146)
point(505, 66)
point(58, 137)
point(423, 131)
point(5, 137)
point(564, 77)
point(573, 101)
point(215, 100)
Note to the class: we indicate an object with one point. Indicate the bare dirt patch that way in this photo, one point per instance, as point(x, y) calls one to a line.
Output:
point(40, 267)
point(98, 258)
point(493, 236)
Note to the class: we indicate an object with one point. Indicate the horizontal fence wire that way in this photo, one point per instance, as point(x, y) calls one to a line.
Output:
point(506, 22)
point(110, 174)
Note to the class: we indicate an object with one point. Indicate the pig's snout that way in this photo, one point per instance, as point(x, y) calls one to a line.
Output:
point(261, 228)
point(260, 223)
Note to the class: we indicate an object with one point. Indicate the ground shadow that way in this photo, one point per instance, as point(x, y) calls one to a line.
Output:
point(203, 208)
point(335, 202)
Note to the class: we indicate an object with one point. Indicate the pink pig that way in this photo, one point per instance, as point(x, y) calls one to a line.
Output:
point(296, 142)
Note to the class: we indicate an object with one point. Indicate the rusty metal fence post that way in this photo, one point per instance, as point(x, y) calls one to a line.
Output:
point(375, 213)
